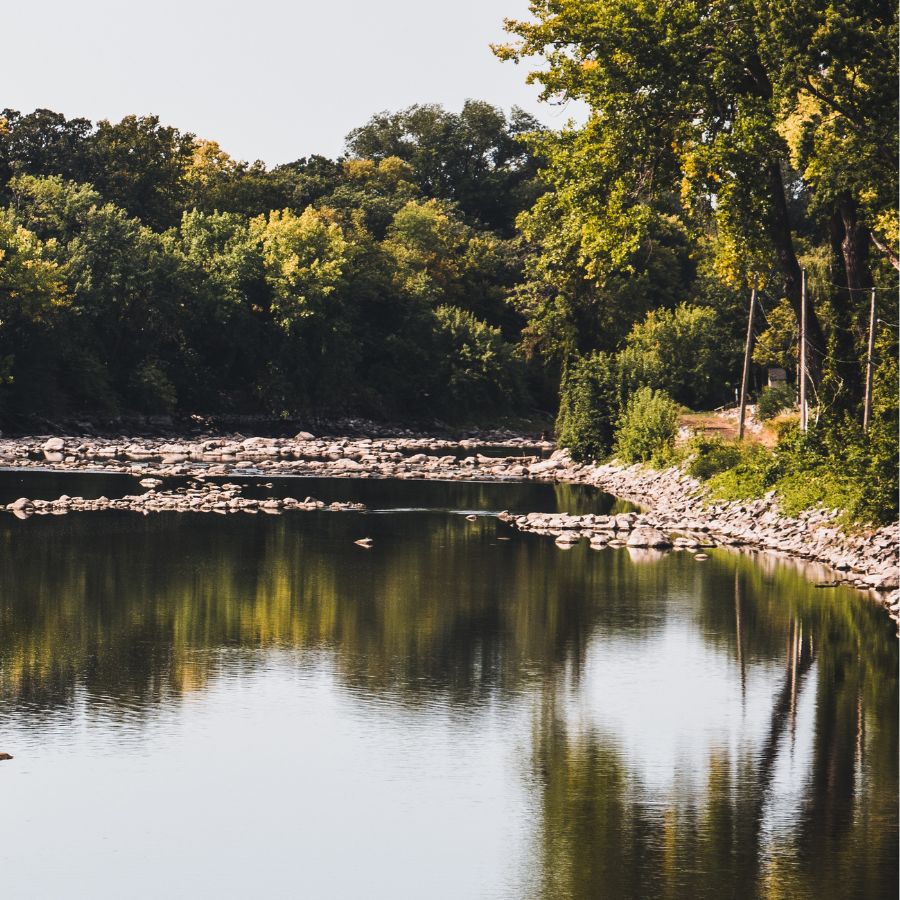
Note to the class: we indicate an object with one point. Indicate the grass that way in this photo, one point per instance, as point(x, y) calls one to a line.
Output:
point(746, 471)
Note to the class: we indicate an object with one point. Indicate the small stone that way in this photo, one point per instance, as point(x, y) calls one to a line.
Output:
point(645, 536)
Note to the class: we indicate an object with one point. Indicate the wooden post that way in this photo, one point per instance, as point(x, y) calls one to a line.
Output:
point(802, 373)
point(748, 349)
point(867, 409)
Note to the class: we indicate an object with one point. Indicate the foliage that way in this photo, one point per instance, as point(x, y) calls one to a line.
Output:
point(472, 158)
point(144, 269)
point(709, 456)
point(774, 400)
point(480, 368)
point(684, 351)
point(589, 406)
point(748, 476)
point(647, 428)
point(838, 469)
point(724, 117)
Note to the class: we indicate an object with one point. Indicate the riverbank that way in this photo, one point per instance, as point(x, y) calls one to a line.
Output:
point(677, 511)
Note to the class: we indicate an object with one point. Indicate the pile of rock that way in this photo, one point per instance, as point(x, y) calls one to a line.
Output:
point(674, 504)
point(304, 454)
point(205, 498)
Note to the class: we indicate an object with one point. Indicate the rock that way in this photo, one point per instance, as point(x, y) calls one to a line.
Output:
point(548, 465)
point(365, 542)
point(21, 505)
point(54, 445)
point(5, 756)
point(700, 557)
point(304, 436)
point(645, 536)
point(346, 465)
point(888, 582)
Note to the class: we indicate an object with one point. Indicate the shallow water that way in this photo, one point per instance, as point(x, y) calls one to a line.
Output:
point(253, 706)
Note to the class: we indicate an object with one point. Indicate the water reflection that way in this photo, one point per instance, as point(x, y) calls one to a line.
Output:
point(524, 721)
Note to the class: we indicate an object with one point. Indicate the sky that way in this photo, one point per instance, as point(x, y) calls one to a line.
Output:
point(268, 79)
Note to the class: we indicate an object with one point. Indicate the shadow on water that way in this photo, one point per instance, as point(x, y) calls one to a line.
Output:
point(682, 729)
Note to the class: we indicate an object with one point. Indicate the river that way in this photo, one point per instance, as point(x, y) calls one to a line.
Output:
point(255, 706)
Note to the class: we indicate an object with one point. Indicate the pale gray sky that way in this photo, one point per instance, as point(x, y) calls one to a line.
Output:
point(269, 79)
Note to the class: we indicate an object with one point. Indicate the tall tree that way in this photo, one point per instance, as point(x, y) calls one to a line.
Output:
point(473, 157)
point(688, 100)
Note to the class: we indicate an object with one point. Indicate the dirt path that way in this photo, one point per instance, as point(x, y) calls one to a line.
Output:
point(724, 425)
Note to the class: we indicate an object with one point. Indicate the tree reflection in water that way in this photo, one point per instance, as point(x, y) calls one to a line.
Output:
point(698, 730)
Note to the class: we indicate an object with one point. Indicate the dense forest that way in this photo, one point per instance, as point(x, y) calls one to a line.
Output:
point(472, 265)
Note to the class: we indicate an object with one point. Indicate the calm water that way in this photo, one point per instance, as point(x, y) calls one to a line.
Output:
point(252, 706)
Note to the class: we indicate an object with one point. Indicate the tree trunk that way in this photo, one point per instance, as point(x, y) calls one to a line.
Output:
point(780, 234)
point(849, 246)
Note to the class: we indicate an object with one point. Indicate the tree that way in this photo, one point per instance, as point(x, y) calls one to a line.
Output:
point(305, 260)
point(43, 142)
point(473, 158)
point(686, 99)
point(141, 166)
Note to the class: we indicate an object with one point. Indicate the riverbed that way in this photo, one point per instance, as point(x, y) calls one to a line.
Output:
point(234, 706)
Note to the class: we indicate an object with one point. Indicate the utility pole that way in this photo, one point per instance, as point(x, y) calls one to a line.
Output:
point(748, 349)
point(802, 374)
point(867, 409)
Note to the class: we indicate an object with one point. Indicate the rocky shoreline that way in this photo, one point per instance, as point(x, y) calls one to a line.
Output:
point(676, 511)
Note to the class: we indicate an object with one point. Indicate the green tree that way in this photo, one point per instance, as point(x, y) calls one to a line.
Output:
point(473, 157)
point(686, 102)
point(141, 166)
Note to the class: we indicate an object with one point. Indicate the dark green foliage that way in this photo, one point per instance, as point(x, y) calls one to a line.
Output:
point(838, 468)
point(684, 351)
point(472, 158)
point(480, 370)
point(647, 427)
point(774, 400)
point(169, 278)
point(710, 456)
point(589, 406)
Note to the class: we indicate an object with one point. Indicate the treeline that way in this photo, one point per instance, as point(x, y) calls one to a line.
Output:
point(143, 269)
point(469, 265)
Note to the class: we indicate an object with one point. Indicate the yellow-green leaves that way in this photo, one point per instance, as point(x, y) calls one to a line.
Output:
point(31, 285)
point(304, 259)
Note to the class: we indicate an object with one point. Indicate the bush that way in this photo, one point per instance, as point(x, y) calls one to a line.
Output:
point(590, 401)
point(152, 390)
point(773, 400)
point(710, 456)
point(750, 476)
point(648, 427)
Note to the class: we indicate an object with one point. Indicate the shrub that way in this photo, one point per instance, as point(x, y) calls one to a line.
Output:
point(590, 401)
point(648, 427)
point(709, 456)
point(685, 351)
point(750, 476)
point(152, 390)
point(773, 400)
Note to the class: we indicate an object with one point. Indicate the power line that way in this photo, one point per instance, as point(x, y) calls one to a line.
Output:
point(844, 287)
